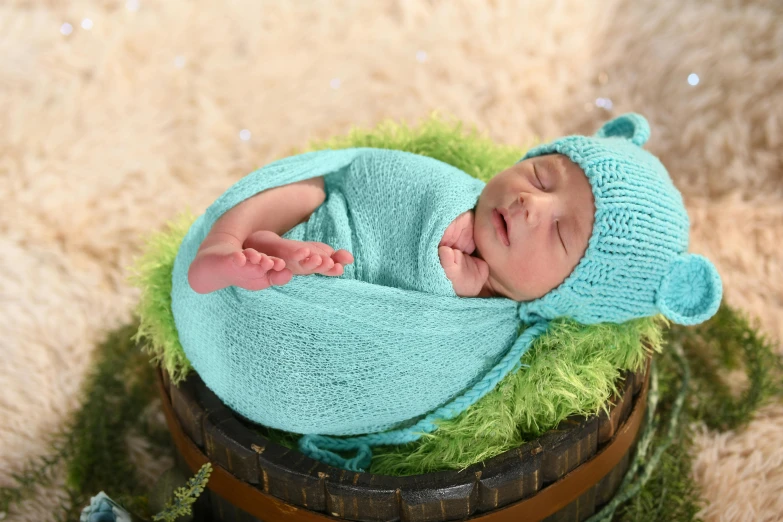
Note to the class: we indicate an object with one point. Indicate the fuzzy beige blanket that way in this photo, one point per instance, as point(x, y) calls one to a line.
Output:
point(117, 114)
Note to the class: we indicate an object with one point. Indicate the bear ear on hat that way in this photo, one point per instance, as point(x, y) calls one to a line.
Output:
point(691, 291)
point(631, 126)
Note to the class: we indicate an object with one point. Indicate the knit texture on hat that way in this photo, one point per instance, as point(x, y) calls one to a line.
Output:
point(636, 263)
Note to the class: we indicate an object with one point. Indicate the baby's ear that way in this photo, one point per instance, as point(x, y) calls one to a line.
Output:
point(631, 126)
point(691, 292)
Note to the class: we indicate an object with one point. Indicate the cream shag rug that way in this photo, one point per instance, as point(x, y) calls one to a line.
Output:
point(113, 124)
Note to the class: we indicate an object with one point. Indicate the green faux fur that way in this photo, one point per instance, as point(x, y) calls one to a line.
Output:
point(573, 368)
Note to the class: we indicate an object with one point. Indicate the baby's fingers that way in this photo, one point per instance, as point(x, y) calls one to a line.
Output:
point(465, 242)
point(479, 267)
point(447, 256)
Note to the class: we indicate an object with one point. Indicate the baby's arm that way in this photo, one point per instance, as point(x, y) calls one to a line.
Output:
point(222, 258)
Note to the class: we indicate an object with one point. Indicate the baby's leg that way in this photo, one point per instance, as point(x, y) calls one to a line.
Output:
point(223, 264)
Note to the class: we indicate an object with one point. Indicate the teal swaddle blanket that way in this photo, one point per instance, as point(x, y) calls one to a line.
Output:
point(374, 350)
point(386, 350)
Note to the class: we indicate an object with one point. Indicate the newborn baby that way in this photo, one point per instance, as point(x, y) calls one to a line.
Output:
point(528, 231)
point(585, 227)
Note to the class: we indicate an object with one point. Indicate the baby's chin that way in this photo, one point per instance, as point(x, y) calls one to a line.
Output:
point(491, 287)
point(520, 293)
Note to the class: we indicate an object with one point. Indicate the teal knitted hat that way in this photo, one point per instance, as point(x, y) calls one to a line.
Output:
point(636, 263)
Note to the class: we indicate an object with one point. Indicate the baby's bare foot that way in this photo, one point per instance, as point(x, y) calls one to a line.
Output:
point(246, 269)
point(301, 257)
point(305, 261)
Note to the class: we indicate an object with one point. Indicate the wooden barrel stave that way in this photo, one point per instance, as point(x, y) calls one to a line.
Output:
point(510, 477)
point(226, 441)
point(443, 495)
point(619, 409)
point(363, 496)
point(579, 509)
point(567, 446)
point(188, 408)
point(607, 486)
point(229, 444)
point(291, 476)
point(300, 482)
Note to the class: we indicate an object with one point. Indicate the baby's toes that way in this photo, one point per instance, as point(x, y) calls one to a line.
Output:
point(342, 257)
point(254, 271)
point(280, 278)
point(274, 263)
point(300, 254)
point(327, 263)
point(311, 263)
point(252, 255)
point(336, 270)
point(265, 262)
point(238, 258)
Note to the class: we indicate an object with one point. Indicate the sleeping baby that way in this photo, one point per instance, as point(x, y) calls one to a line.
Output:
point(526, 234)
point(379, 342)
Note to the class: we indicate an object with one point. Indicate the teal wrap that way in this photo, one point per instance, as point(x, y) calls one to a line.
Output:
point(387, 349)
point(373, 350)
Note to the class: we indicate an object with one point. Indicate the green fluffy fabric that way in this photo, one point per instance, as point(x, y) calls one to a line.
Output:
point(573, 369)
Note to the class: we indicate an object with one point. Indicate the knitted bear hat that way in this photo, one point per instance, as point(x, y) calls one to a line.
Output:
point(636, 263)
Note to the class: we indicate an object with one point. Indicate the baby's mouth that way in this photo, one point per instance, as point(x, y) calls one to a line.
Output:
point(500, 226)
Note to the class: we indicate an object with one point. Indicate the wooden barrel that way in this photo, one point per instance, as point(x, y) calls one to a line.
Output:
point(567, 474)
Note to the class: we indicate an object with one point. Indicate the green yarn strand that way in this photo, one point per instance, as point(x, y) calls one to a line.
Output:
point(628, 489)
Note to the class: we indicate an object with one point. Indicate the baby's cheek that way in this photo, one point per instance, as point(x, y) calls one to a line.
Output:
point(530, 277)
point(548, 276)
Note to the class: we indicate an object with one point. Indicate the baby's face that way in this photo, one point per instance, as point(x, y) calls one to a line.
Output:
point(549, 207)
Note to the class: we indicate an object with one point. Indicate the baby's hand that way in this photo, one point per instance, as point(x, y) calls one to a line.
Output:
point(466, 273)
point(459, 234)
point(301, 257)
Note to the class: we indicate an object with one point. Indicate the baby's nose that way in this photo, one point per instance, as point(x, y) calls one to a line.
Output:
point(536, 208)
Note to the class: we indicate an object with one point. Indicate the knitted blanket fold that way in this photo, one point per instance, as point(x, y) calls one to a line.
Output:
point(386, 346)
